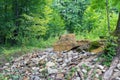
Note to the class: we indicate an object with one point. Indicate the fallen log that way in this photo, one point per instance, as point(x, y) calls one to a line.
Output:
point(109, 72)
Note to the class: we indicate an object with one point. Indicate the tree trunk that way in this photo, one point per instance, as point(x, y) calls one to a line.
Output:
point(118, 35)
point(15, 11)
point(108, 20)
point(117, 31)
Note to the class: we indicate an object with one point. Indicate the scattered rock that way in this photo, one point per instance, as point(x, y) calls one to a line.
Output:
point(117, 78)
point(84, 71)
point(77, 78)
point(103, 70)
point(50, 64)
point(116, 70)
point(100, 67)
point(60, 76)
point(7, 64)
point(64, 64)
point(35, 78)
point(26, 78)
point(96, 75)
point(118, 66)
point(51, 71)
point(98, 71)
point(116, 74)
point(60, 60)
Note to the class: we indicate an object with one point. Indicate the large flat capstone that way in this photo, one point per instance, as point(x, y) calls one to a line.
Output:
point(65, 42)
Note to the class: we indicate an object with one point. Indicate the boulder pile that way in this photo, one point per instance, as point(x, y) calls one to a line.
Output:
point(49, 65)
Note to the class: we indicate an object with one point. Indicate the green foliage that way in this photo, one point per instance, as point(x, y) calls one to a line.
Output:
point(22, 21)
point(94, 45)
point(90, 20)
point(3, 77)
point(99, 4)
point(110, 51)
point(70, 74)
point(72, 12)
point(95, 23)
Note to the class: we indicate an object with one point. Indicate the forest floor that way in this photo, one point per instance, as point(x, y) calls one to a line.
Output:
point(49, 65)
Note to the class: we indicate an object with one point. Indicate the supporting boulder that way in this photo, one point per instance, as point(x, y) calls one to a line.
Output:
point(65, 43)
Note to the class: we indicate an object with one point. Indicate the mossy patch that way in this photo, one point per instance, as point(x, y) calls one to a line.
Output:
point(94, 45)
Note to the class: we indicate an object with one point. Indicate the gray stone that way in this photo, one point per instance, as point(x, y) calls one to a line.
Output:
point(117, 78)
point(5, 67)
point(98, 71)
point(51, 71)
point(95, 59)
point(77, 78)
point(60, 76)
point(96, 75)
point(116, 74)
point(60, 60)
point(64, 64)
point(118, 66)
point(49, 49)
point(35, 78)
point(84, 71)
point(116, 70)
point(7, 64)
point(100, 67)
point(35, 68)
point(75, 57)
point(103, 70)
point(50, 64)
point(66, 60)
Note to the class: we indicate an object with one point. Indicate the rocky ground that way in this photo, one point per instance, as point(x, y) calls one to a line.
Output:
point(49, 65)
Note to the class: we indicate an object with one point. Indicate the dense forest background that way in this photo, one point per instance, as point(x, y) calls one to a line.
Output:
point(39, 22)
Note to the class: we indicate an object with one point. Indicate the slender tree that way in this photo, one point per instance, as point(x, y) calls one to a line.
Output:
point(108, 20)
point(117, 32)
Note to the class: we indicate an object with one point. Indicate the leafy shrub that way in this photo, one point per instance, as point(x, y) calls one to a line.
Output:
point(3, 77)
point(110, 51)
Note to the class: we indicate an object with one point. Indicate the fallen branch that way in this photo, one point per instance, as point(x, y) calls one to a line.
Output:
point(109, 72)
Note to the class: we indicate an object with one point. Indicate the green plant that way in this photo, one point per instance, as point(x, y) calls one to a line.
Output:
point(45, 73)
point(3, 77)
point(86, 68)
point(71, 73)
point(110, 51)
point(93, 74)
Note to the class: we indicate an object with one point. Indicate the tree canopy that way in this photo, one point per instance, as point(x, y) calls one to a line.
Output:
point(21, 20)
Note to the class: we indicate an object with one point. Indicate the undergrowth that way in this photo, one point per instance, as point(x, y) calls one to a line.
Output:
point(7, 53)
point(110, 51)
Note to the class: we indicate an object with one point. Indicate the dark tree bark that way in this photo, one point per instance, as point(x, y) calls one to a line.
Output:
point(117, 31)
point(5, 10)
point(15, 11)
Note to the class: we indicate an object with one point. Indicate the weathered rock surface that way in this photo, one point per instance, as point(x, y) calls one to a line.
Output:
point(68, 42)
point(65, 43)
